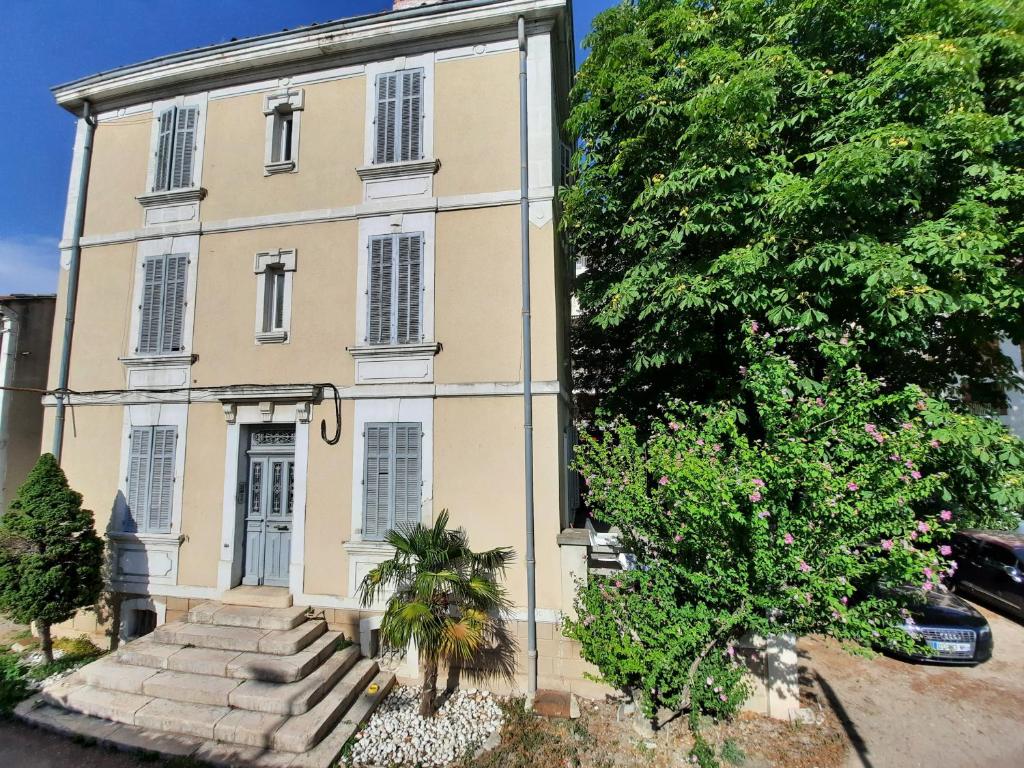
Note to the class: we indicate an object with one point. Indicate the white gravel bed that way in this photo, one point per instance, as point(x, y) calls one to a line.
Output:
point(396, 735)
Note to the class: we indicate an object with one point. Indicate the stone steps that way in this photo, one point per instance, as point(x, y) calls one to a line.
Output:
point(235, 664)
point(281, 642)
point(239, 687)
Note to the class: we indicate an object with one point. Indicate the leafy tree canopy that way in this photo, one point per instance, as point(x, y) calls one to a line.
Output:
point(830, 168)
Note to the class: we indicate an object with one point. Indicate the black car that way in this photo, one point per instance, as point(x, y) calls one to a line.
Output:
point(950, 626)
point(990, 566)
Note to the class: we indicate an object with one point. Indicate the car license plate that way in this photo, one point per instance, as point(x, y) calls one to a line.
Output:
point(944, 647)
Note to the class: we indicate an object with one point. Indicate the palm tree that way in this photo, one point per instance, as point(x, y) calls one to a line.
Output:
point(445, 597)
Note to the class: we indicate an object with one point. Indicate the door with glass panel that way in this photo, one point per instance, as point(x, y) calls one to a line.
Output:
point(268, 514)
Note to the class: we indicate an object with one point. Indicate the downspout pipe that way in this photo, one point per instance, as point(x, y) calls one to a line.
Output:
point(73, 269)
point(524, 226)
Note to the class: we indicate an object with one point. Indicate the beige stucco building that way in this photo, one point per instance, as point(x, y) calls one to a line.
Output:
point(328, 210)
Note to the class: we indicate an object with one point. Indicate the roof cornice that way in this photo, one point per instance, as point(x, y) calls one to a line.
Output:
point(354, 38)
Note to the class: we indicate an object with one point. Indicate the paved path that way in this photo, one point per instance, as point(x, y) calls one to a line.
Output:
point(24, 747)
point(901, 715)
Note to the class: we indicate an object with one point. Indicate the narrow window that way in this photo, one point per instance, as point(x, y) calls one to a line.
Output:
point(273, 299)
point(283, 111)
point(398, 131)
point(162, 311)
point(176, 148)
point(281, 151)
point(395, 289)
point(150, 479)
point(393, 477)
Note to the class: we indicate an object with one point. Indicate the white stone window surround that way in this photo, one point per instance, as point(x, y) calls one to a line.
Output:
point(395, 363)
point(165, 370)
point(285, 260)
point(290, 101)
point(148, 558)
point(239, 415)
point(180, 204)
point(364, 555)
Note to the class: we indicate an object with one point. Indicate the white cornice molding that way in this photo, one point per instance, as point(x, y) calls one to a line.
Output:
point(389, 351)
point(172, 197)
point(358, 38)
point(157, 361)
point(306, 392)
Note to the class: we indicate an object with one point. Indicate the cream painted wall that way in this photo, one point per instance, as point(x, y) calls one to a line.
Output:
point(476, 124)
point(120, 158)
point(329, 504)
point(323, 307)
point(330, 149)
point(92, 442)
point(102, 321)
point(202, 495)
point(478, 478)
point(478, 300)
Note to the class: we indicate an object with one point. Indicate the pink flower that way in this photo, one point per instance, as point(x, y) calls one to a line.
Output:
point(907, 425)
point(755, 496)
point(677, 538)
point(663, 480)
point(804, 567)
point(788, 538)
point(945, 515)
point(758, 482)
point(716, 447)
point(927, 586)
point(916, 475)
point(913, 535)
point(673, 426)
point(700, 441)
point(723, 697)
point(886, 544)
point(710, 681)
point(908, 464)
point(754, 326)
point(894, 457)
point(923, 527)
point(927, 573)
point(618, 584)
point(934, 443)
point(852, 487)
point(844, 600)
point(819, 402)
point(743, 370)
point(731, 651)
point(764, 513)
point(945, 550)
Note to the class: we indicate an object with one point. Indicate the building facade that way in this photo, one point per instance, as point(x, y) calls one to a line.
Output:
point(298, 316)
point(26, 322)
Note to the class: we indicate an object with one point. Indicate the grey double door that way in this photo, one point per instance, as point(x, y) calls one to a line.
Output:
point(268, 518)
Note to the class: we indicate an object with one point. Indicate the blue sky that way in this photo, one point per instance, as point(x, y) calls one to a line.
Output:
point(51, 42)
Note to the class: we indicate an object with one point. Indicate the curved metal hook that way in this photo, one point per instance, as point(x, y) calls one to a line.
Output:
point(337, 417)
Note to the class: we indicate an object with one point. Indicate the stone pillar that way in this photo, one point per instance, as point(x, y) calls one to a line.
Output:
point(773, 666)
point(574, 551)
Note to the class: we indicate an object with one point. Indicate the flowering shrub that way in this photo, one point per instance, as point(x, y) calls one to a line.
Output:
point(781, 510)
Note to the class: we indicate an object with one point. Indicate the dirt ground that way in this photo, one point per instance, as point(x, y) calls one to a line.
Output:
point(901, 715)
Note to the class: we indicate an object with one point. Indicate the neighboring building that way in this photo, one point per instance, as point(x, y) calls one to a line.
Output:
point(26, 322)
point(331, 206)
point(1013, 418)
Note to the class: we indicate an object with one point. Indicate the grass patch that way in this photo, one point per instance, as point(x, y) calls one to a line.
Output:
point(528, 741)
point(13, 687)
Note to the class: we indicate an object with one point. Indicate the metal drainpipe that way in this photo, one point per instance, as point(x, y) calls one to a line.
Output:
point(73, 268)
point(524, 226)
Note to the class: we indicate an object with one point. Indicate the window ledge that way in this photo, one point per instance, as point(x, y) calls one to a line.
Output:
point(371, 548)
point(146, 538)
point(386, 351)
point(171, 197)
point(158, 361)
point(398, 170)
point(272, 337)
point(283, 166)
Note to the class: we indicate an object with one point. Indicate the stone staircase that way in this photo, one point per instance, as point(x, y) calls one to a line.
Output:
point(232, 685)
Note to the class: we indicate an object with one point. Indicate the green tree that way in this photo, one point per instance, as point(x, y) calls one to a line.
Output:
point(829, 168)
point(440, 595)
point(784, 509)
point(50, 556)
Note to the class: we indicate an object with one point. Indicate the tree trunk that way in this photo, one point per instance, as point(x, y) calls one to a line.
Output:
point(428, 693)
point(45, 641)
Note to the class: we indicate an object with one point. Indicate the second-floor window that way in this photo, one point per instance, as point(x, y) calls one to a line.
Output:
point(273, 299)
point(398, 121)
point(150, 481)
point(395, 300)
point(175, 149)
point(162, 312)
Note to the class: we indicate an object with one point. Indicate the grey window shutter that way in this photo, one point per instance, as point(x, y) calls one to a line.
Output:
point(385, 128)
point(412, 115)
point(161, 493)
point(173, 314)
point(165, 137)
point(377, 490)
point(139, 453)
point(184, 147)
point(408, 472)
point(410, 268)
point(152, 305)
point(379, 299)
